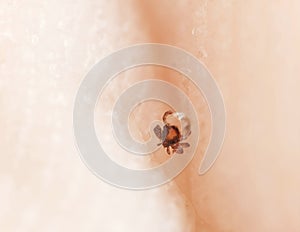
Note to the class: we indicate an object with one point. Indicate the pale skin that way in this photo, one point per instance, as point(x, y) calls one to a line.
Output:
point(252, 50)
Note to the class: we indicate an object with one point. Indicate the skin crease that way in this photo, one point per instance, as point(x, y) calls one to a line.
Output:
point(252, 186)
point(252, 50)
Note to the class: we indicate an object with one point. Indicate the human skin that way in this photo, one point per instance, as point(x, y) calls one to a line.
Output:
point(251, 49)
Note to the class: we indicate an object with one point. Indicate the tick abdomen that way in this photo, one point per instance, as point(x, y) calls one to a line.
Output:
point(170, 136)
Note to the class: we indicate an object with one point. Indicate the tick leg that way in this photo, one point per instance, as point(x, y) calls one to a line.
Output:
point(168, 151)
point(179, 150)
point(164, 133)
point(184, 145)
point(175, 147)
point(157, 131)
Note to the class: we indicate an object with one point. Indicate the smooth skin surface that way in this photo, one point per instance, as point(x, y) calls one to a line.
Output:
point(251, 48)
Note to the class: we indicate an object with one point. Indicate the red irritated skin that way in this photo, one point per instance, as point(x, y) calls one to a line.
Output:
point(170, 136)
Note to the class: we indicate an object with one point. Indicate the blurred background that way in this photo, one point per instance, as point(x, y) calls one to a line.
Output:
point(250, 47)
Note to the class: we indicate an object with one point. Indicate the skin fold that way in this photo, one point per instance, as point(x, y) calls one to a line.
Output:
point(251, 48)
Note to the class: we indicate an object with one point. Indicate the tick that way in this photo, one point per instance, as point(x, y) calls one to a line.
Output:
point(170, 136)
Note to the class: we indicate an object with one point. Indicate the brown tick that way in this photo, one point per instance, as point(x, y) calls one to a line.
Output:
point(170, 136)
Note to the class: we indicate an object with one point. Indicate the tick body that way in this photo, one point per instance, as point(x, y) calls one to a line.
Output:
point(170, 136)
